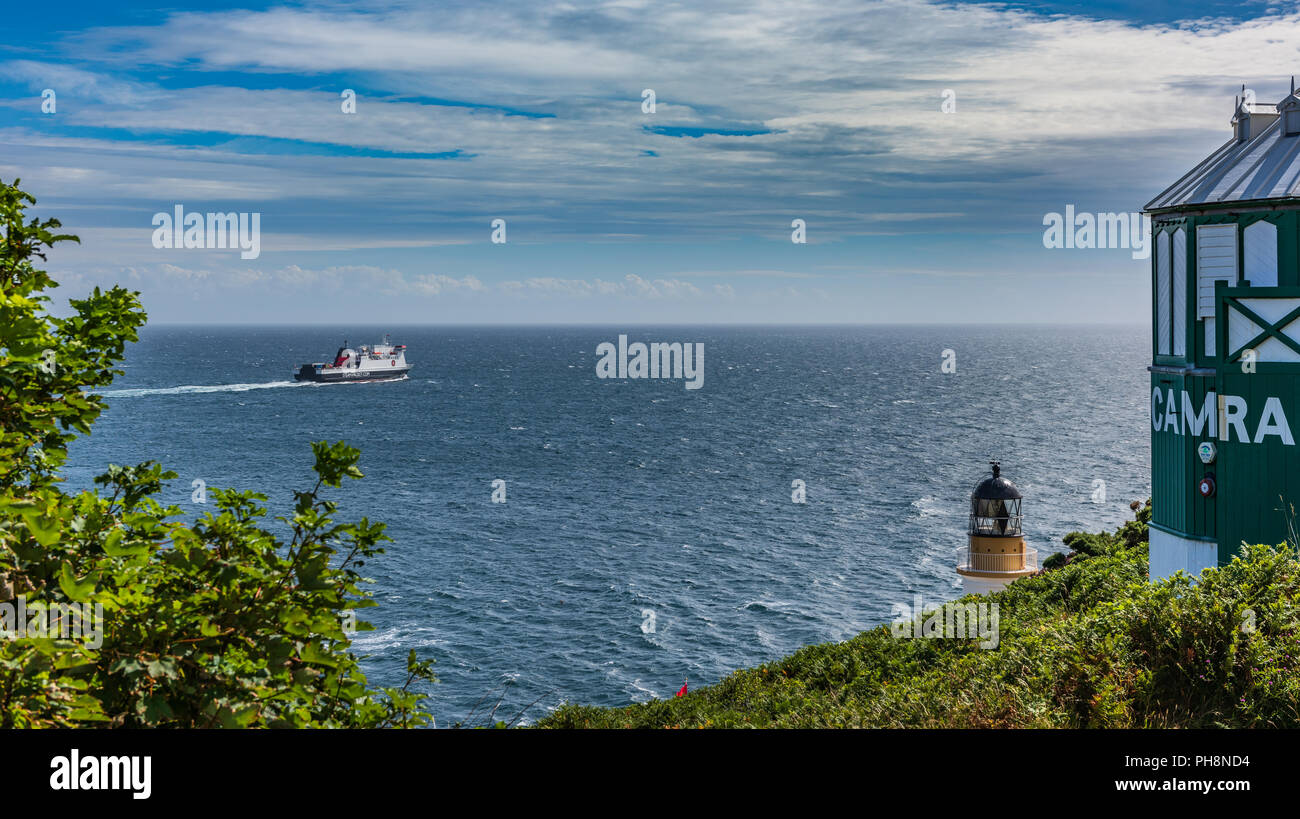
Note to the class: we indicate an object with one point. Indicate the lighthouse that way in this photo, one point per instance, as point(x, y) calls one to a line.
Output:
point(1225, 345)
point(995, 552)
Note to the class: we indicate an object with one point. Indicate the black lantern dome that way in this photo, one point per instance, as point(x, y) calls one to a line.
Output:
point(995, 506)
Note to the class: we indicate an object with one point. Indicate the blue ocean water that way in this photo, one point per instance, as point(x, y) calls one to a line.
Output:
point(639, 503)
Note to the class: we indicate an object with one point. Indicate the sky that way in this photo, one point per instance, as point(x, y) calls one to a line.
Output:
point(922, 145)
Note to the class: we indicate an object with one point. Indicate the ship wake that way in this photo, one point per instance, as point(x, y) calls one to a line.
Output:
point(199, 388)
point(195, 389)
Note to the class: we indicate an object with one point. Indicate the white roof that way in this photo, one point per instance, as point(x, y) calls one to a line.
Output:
point(1266, 166)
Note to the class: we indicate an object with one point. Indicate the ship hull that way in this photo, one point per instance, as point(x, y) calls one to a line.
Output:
point(337, 376)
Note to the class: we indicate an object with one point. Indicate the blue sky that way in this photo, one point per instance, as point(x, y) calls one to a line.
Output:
point(531, 112)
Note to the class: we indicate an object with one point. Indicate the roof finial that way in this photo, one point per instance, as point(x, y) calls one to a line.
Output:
point(1293, 83)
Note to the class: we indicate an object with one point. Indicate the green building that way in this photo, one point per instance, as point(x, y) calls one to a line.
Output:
point(1225, 371)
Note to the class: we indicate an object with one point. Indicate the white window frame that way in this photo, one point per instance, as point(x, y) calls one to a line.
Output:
point(1259, 253)
point(1179, 272)
point(1216, 260)
point(1163, 295)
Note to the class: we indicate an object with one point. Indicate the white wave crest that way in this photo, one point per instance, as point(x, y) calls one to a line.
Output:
point(193, 389)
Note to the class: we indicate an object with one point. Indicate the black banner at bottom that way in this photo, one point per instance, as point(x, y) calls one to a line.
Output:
point(375, 769)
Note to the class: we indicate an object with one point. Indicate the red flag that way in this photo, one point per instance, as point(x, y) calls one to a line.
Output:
point(682, 691)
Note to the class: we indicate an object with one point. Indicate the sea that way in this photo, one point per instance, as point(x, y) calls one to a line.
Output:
point(651, 535)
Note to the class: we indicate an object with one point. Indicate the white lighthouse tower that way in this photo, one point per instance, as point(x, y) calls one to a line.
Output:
point(995, 552)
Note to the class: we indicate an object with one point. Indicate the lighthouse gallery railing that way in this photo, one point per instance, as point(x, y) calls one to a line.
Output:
point(998, 562)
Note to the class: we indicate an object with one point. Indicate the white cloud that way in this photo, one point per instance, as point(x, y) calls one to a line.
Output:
point(632, 286)
point(435, 283)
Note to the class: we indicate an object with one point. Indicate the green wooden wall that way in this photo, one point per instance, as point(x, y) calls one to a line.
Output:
point(1257, 483)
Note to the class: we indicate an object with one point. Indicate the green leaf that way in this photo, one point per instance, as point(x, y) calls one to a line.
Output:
point(77, 590)
point(44, 529)
point(114, 547)
point(156, 709)
point(314, 654)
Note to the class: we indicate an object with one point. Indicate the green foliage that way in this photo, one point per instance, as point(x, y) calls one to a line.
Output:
point(1084, 545)
point(1089, 644)
point(220, 623)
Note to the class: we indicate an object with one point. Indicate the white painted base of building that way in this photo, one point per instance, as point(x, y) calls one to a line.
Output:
point(983, 585)
point(1169, 553)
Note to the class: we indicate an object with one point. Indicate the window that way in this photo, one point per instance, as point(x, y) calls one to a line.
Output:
point(1216, 260)
point(1260, 246)
point(1170, 296)
point(1179, 274)
point(1292, 122)
point(1162, 294)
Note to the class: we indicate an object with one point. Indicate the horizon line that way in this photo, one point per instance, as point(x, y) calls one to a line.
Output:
point(654, 324)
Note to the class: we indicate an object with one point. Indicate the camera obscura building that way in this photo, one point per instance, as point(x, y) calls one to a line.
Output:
point(1225, 365)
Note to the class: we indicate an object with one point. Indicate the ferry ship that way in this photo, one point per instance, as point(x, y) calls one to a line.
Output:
point(382, 362)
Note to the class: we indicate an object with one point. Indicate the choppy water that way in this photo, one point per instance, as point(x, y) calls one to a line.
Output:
point(628, 497)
